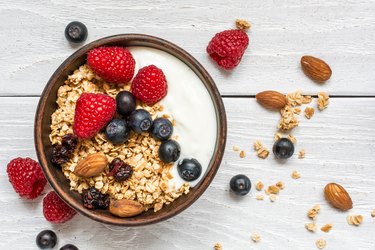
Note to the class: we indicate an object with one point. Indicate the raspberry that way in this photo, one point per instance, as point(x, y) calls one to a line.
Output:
point(26, 177)
point(92, 113)
point(227, 47)
point(149, 85)
point(113, 64)
point(56, 210)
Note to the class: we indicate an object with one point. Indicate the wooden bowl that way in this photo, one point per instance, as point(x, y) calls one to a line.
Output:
point(47, 105)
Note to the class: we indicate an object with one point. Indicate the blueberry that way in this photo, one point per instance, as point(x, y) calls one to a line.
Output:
point(125, 102)
point(283, 148)
point(169, 151)
point(240, 184)
point(162, 129)
point(140, 121)
point(117, 131)
point(189, 169)
point(46, 239)
point(76, 32)
point(69, 247)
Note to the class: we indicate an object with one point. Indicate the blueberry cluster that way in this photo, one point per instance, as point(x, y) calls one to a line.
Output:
point(139, 121)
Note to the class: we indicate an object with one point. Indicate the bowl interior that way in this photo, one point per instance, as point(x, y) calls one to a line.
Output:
point(47, 106)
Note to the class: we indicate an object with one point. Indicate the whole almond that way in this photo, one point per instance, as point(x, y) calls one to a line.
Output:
point(91, 166)
point(316, 68)
point(125, 208)
point(337, 196)
point(271, 99)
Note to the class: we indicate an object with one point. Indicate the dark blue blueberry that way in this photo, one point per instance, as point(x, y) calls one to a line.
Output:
point(117, 131)
point(140, 121)
point(125, 103)
point(189, 169)
point(69, 247)
point(76, 32)
point(46, 239)
point(240, 184)
point(162, 129)
point(283, 148)
point(169, 151)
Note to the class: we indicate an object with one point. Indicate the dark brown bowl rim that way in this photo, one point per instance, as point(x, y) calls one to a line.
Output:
point(209, 84)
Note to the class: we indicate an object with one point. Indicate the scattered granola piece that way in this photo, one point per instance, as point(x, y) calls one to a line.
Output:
point(311, 226)
point(373, 213)
point(292, 138)
point(313, 212)
point(259, 197)
point(272, 197)
point(288, 119)
point(301, 154)
point(278, 136)
point(296, 175)
point(218, 246)
point(309, 112)
point(280, 185)
point(259, 185)
point(297, 111)
point(320, 243)
point(323, 100)
point(255, 237)
point(354, 219)
point(306, 99)
point(242, 154)
point(326, 228)
point(242, 24)
point(235, 148)
point(273, 189)
point(295, 99)
point(262, 152)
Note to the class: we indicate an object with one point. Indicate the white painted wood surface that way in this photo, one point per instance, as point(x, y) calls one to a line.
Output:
point(339, 141)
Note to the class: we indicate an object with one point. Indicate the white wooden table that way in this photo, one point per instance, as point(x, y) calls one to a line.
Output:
point(339, 142)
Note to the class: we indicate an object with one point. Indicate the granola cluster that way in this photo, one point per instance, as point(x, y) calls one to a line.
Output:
point(149, 183)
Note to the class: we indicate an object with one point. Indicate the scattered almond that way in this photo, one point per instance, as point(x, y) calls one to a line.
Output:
point(320, 243)
point(125, 208)
point(337, 196)
point(311, 226)
point(326, 228)
point(271, 99)
point(91, 166)
point(259, 185)
point(296, 175)
point(354, 219)
point(316, 68)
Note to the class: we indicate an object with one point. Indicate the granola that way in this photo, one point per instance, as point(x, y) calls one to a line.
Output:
point(261, 151)
point(149, 183)
point(313, 212)
point(320, 243)
point(326, 228)
point(309, 112)
point(355, 220)
point(296, 175)
point(301, 154)
point(323, 100)
point(255, 237)
point(218, 246)
point(259, 185)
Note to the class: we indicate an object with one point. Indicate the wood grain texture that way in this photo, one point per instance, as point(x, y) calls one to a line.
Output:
point(340, 32)
point(339, 143)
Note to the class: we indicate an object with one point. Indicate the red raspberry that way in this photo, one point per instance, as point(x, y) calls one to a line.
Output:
point(113, 64)
point(149, 85)
point(55, 209)
point(26, 177)
point(226, 48)
point(92, 113)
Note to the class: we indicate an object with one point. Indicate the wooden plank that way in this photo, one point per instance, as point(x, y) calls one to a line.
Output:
point(339, 144)
point(342, 33)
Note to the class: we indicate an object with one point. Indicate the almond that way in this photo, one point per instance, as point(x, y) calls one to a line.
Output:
point(316, 68)
point(271, 99)
point(337, 196)
point(125, 208)
point(91, 166)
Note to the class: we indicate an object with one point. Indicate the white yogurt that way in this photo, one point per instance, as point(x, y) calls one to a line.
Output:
point(188, 103)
